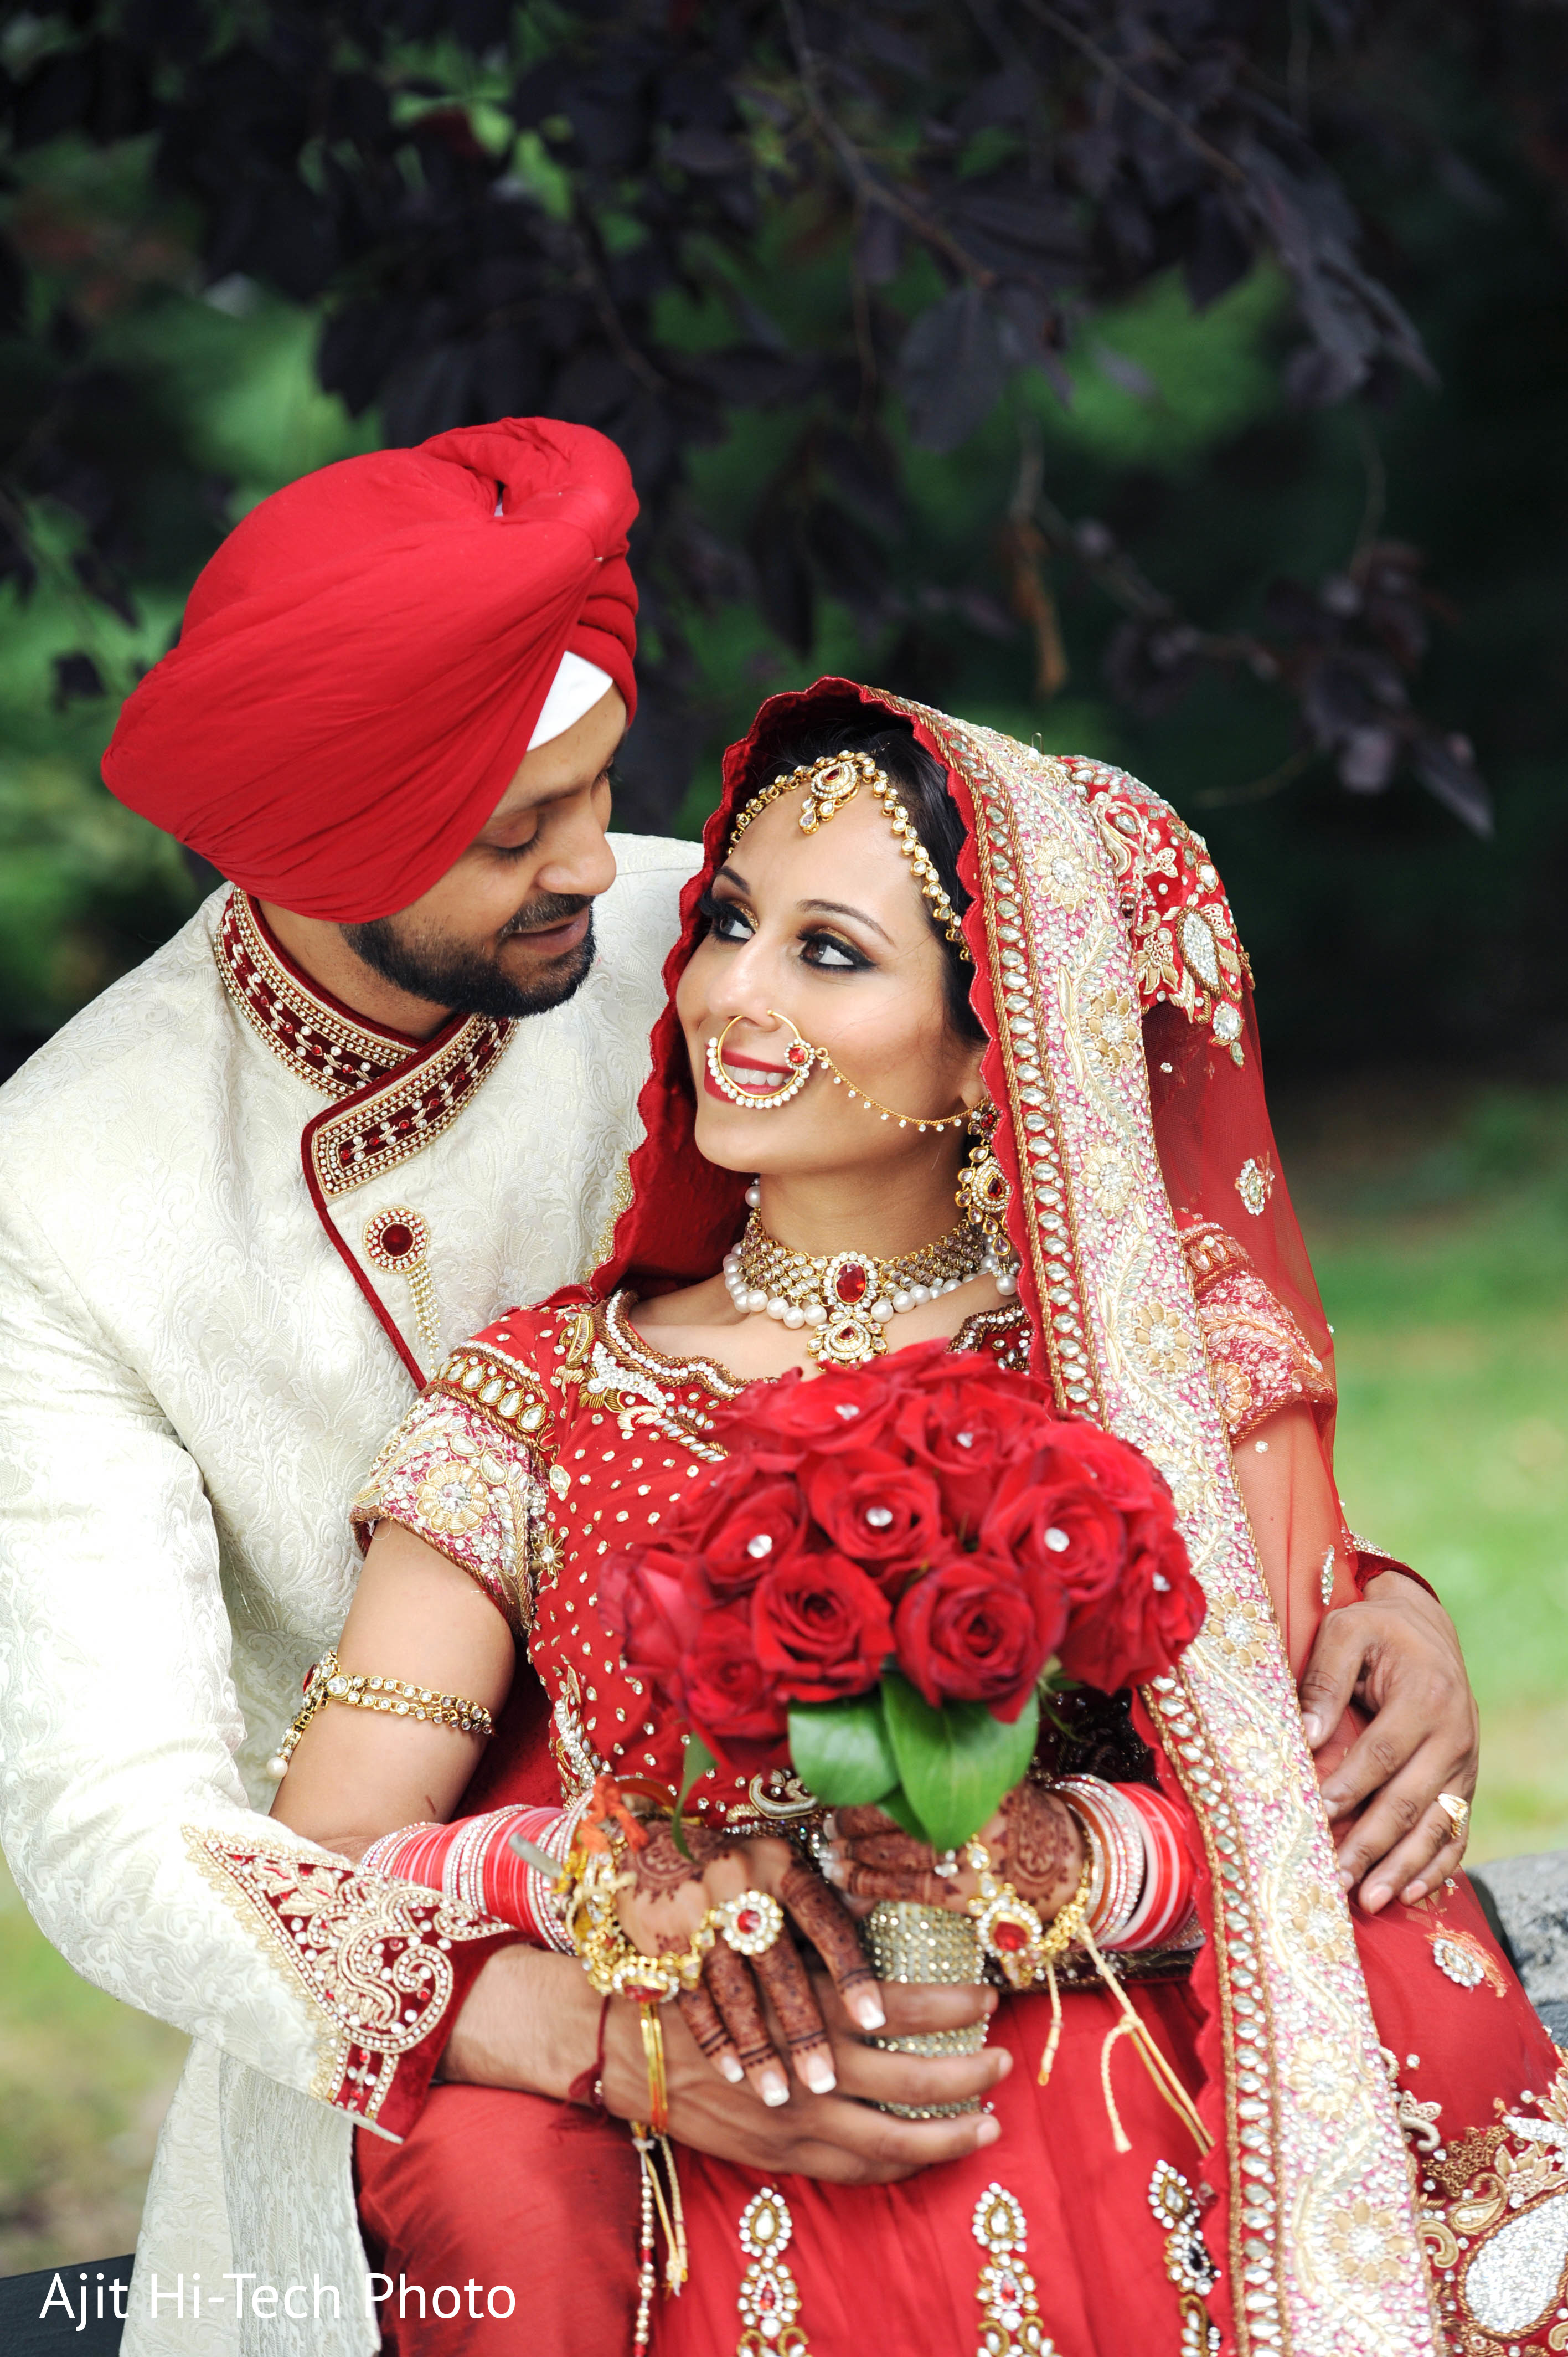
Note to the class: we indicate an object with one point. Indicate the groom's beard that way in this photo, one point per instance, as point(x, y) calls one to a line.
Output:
point(473, 981)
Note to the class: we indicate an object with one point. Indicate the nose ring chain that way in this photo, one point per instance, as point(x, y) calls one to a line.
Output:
point(802, 1058)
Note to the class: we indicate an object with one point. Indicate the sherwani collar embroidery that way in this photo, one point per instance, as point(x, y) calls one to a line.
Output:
point(390, 1096)
point(320, 1041)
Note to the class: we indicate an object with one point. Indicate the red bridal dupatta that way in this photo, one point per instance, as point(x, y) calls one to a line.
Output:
point(1371, 2085)
point(1097, 914)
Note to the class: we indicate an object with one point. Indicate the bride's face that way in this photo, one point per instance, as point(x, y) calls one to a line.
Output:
point(831, 930)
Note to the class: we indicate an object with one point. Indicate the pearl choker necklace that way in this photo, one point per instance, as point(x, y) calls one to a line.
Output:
point(849, 1297)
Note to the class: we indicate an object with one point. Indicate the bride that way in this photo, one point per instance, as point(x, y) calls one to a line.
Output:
point(921, 953)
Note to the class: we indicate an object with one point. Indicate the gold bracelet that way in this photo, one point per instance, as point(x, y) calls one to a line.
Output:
point(591, 1882)
point(1010, 1929)
point(326, 1682)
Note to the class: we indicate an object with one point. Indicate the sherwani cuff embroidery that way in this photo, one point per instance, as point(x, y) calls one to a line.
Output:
point(384, 1967)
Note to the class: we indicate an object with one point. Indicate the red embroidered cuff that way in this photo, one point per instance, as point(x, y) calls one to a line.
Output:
point(1371, 1563)
point(383, 1966)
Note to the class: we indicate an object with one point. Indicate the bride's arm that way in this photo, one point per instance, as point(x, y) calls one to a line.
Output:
point(356, 1774)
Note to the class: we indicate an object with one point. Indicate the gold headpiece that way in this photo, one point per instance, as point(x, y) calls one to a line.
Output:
point(835, 779)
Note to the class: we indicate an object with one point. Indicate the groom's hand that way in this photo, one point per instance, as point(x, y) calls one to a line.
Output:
point(531, 2021)
point(1397, 1655)
point(837, 2137)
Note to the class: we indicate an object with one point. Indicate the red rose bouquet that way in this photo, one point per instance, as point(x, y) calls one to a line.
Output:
point(874, 1584)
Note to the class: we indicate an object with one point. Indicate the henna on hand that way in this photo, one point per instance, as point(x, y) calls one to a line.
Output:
point(657, 1868)
point(903, 1882)
point(832, 1932)
point(1041, 1849)
point(782, 1977)
point(733, 1992)
point(893, 1849)
point(713, 2040)
point(854, 1825)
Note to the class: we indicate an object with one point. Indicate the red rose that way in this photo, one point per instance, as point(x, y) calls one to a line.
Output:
point(648, 1601)
point(1153, 1612)
point(743, 1524)
point(968, 1432)
point(1046, 1518)
point(729, 1697)
point(822, 1628)
point(1122, 1474)
point(972, 1630)
point(879, 1509)
point(839, 1410)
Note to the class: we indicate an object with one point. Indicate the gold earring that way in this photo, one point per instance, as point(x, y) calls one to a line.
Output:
point(984, 1190)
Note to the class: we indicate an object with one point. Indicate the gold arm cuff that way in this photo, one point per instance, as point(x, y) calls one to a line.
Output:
point(394, 1696)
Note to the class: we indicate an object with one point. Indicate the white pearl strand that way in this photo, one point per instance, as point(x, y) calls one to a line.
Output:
point(751, 1302)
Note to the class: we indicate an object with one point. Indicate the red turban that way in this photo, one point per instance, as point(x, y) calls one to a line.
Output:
point(362, 664)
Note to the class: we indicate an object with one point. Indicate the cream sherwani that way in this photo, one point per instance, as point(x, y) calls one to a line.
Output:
point(234, 1229)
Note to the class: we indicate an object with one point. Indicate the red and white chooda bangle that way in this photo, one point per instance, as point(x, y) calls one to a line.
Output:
point(1140, 1888)
point(474, 1862)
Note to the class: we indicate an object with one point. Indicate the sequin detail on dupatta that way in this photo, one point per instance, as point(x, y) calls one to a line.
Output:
point(1105, 1278)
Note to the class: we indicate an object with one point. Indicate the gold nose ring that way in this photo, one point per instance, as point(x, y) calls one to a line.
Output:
point(800, 1056)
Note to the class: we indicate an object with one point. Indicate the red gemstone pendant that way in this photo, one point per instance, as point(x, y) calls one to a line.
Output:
point(851, 1283)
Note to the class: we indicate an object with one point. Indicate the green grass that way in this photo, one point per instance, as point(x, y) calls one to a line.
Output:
point(1438, 1220)
point(84, 2081)
point(1440, 1234)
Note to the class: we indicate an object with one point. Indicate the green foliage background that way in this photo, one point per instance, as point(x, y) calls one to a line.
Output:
point(1377, 925)
point(1382, 934)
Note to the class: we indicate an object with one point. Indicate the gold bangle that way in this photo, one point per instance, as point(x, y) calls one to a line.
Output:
point(591, 1882)
point(653, 2055)
point(326, 1682)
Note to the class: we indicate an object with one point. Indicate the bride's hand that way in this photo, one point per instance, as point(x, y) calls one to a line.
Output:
point(667, 1900)
point(1034, 1840)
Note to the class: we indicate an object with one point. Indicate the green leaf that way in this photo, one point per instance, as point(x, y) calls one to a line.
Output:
point(896, 1804)
point(955, 1763)
point(696, 1762)
point(841, 1751)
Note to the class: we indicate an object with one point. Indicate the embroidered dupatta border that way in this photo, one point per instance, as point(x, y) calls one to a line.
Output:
point(1324, 2254)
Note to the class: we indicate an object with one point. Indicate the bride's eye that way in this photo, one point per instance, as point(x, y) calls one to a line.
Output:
point(726, 920)
point(832, 954)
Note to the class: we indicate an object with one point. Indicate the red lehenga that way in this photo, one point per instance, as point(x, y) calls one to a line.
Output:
point(1387, 2119)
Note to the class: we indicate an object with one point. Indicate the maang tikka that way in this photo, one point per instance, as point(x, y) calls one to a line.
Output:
point(834, 780)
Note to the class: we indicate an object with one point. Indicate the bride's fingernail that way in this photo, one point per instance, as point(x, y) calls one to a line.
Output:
point(988, 2130)
point(867, 2010)
point(818, 2073)
point(833, 1869)
point(1411, 1892)
point(731, 2068)
point(1312, 1727)
point(773, 2088)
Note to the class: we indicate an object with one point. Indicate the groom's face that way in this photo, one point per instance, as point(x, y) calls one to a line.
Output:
point(509, 929)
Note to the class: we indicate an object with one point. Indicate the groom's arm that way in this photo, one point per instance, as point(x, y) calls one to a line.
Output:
point(121, 1811)
point(533, 2021)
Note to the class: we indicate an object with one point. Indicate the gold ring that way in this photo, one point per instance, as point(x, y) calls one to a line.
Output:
point(751, 1923)
point(1457, 1812)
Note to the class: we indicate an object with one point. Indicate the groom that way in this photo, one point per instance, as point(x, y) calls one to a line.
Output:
point(377, 1089)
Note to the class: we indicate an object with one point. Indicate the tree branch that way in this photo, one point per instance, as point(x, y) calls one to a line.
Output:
point(1067, 31)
